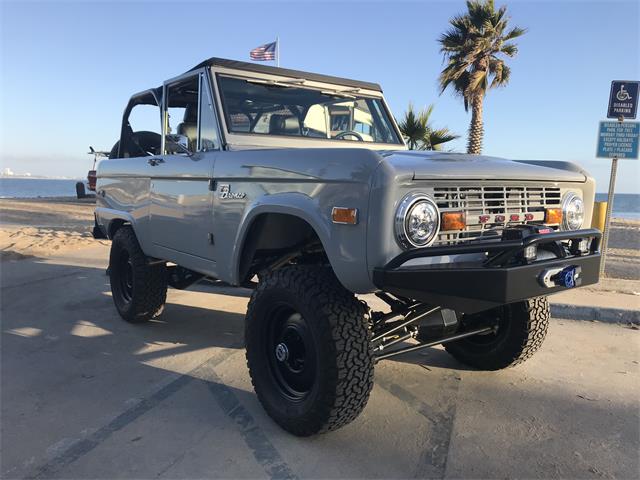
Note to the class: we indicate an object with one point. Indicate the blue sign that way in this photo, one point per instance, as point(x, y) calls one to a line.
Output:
point(623, 99)
point(618, 140)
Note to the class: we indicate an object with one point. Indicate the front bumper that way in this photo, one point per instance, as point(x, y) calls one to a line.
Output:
point(505, 276)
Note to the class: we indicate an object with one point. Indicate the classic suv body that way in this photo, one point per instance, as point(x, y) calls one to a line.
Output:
point(198, 210)
point(305, 183)
point(300, 187)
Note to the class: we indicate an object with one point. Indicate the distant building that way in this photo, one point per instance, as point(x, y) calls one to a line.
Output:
point(7, 172)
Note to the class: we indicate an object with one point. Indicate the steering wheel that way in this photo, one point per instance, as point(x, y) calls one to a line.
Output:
point(346, 133)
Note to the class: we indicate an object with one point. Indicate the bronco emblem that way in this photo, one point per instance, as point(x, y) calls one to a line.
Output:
point(225, 192)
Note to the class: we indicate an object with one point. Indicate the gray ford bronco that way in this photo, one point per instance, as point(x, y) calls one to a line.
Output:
point(300, 186)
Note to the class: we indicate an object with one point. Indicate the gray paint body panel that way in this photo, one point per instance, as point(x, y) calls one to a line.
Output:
point(306, 183)
point(457, 166)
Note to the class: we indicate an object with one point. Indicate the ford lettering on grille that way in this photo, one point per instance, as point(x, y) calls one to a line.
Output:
point(489, 208)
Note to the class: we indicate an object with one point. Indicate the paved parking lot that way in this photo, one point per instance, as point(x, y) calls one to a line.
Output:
point(85, 395)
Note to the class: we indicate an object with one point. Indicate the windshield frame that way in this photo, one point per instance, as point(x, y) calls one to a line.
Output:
point(251, 139)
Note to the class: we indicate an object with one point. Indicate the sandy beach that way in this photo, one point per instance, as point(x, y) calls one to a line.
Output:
point(52, 226)
point(45, 227)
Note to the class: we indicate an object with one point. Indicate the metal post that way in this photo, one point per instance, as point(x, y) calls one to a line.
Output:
point(277, 51)
point(607, 220)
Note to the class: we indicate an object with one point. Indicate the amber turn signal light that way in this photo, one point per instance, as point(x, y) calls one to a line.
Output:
point(344, 215)
point(553, 216)
point(453, 221)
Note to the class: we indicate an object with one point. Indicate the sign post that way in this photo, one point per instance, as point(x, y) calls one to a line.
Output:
point(618, 140)
point(607, 216)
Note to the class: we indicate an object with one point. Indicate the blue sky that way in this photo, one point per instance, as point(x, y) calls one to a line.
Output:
point(68, 68)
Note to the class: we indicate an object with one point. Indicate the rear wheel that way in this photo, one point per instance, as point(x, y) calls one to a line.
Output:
point(139, 290)
point(308, 350)
point(521, 329)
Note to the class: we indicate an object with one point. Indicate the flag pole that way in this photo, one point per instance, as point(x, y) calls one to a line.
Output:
point(277, 51)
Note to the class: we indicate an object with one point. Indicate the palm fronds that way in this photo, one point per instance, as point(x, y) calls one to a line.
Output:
point(418, 132)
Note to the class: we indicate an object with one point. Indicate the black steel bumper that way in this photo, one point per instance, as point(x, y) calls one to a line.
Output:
point(505, 276)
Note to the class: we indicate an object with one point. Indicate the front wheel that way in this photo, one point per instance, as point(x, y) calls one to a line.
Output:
point(308, 350)
point(520, 331)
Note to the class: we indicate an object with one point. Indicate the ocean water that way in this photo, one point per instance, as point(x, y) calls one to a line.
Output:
point(625, 205)
point(37, 187)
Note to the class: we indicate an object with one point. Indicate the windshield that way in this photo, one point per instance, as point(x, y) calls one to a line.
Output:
point(260, 107)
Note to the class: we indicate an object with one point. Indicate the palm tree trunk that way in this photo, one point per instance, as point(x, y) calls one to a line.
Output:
point(476, 129)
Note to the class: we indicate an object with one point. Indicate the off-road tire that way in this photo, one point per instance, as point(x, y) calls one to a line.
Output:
point(146, 298)
point(342, 342)
point(521, 332)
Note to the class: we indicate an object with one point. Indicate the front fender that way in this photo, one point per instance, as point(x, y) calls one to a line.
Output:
point(344, 244)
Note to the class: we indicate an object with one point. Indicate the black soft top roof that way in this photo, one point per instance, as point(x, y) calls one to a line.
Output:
point(285, 72)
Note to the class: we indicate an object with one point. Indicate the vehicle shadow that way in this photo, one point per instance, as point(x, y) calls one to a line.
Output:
point(430, 357)
point(68, 361)
point(221, 288)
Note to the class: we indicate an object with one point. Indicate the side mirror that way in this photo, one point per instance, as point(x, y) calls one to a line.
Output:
point(175, 143)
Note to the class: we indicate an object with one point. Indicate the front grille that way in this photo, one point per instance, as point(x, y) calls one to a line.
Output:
point(488, 202)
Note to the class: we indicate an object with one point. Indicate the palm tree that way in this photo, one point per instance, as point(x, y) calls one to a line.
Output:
point(473, 48)
point(417, 130)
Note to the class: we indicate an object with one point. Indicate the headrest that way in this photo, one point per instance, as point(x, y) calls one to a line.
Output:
point(284, 124)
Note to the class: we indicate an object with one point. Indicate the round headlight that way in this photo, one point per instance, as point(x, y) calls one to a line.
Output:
point(572, 212)
point(417, 221)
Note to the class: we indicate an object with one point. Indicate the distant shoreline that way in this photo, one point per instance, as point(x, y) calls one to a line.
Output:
point(34, 177)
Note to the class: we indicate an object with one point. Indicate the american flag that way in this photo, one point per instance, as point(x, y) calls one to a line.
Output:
point(264, 52)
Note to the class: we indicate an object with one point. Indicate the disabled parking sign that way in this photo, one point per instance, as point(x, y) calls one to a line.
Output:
point(623, 99)
point(618, 140)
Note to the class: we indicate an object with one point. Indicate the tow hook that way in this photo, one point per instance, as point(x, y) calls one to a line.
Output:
point(567, 277)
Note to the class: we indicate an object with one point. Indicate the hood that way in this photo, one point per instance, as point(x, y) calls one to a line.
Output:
point(431, 165)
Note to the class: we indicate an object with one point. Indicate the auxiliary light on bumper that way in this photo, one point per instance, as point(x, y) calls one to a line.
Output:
point(509, 273)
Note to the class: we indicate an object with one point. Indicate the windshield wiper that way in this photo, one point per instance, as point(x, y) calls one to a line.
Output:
point(350, 90)
point(278, 83)
point(337, 93)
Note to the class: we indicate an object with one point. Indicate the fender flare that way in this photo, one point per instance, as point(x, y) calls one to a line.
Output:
point(294, 204)
point(107, 216)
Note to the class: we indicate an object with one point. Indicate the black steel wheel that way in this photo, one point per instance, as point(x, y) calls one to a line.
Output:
point(521, 328)
point(294, 361)
point(139, 289)
point(125, 279)
point(308, 350)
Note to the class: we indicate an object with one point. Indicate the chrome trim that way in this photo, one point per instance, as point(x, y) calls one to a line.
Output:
point(496, 202)
point(406, 204)
point(568, 197)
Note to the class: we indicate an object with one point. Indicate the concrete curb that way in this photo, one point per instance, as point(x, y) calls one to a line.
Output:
point(608, 315)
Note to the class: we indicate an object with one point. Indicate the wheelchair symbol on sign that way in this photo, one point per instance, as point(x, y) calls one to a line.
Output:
point(623, 95)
